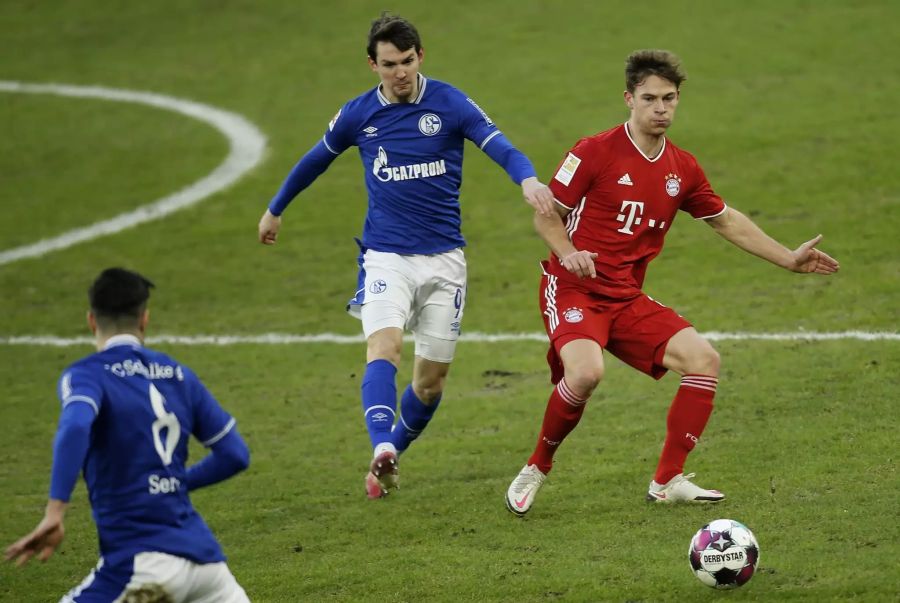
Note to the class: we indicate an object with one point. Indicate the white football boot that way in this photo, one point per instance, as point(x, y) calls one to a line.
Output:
point(523, 489)
point(681, 489)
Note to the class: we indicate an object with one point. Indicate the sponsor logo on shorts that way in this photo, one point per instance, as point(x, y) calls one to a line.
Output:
point(378, 286)
point(573, 315)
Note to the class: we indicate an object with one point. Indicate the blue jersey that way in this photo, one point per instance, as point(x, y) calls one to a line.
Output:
point(147, 406)
point(412, 155)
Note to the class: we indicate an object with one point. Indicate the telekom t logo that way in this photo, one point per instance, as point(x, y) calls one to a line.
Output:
point(630, 213)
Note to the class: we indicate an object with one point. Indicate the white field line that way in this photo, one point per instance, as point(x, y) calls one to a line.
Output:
point(289, 339)
point(246, 143)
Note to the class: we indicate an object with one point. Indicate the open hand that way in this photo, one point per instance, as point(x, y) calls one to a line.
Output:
point(42, 541)
point(807, 258)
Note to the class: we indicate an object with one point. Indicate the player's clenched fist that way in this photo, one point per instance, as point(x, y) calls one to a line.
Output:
point(269, 226)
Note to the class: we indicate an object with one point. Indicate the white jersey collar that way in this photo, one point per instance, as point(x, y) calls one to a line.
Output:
point(658, 155)
point(123, 339)
point(423, 82)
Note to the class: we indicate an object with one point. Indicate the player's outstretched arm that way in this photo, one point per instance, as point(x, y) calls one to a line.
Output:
point(553, 232)
point(269, 225)
point(310, 167)
point(740, 230)
point(69, 451)
point(44, 539)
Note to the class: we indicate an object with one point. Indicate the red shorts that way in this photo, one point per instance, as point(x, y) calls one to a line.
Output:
point(634, 330)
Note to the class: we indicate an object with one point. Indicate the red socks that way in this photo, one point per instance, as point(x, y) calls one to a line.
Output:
point(564, 410)
point(687, 418)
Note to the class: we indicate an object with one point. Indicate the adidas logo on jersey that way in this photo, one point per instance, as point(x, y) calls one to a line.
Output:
point(626, 180)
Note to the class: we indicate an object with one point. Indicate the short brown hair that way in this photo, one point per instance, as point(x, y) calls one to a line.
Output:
point(641, 64)
point(394, 29)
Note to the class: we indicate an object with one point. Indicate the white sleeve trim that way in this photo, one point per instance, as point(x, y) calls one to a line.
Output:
point(713, 215)
point(561, 204)
point(329, 147)
point(488, 139)
point(221, 434)
point(78, 398)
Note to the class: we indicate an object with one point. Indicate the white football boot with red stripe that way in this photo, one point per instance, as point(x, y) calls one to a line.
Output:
point(681, 489)
point(523, 489)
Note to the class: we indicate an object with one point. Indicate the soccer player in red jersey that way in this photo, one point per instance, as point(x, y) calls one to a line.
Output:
point(617, 194)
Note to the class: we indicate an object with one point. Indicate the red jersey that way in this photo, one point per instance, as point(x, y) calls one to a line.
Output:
point(623, 204)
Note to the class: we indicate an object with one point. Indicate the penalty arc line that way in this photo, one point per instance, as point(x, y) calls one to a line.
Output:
point(246, 148)
point(475, 337)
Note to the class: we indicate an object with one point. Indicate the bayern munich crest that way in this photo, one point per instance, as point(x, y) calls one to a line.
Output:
point(673, 185)
point(573, 315)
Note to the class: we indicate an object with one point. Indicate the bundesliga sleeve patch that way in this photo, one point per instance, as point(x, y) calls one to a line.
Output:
point(567, 170)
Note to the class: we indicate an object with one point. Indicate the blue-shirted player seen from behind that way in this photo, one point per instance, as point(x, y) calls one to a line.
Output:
point(127, 415)
point(410, 131)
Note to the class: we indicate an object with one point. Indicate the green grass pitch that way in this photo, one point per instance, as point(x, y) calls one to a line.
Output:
point(789, 106)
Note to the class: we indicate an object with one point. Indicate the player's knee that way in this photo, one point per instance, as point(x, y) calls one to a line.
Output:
point(429, 388)
point(584, 379)
point(705, 361)
point(384, 349)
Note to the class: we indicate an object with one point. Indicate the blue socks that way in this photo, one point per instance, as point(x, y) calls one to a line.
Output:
point(414, 416)
point(379, 400)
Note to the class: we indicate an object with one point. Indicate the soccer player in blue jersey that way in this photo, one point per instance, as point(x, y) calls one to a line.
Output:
point(127, 414)
point(410, 132)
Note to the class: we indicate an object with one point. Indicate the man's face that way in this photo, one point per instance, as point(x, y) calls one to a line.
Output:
point(653, 105)
point(398, 71)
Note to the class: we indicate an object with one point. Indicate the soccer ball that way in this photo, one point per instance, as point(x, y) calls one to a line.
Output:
point(724, 554)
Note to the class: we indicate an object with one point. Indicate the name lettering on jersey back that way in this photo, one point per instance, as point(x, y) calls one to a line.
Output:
point(163, 485)
point(386, 173)
point(631, 213)
point(130, 368)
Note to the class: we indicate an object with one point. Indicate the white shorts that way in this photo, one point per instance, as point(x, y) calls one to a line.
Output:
point(425, 294)
point(181, 579)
